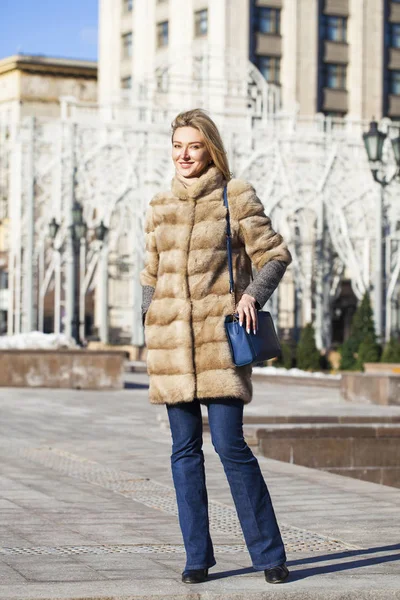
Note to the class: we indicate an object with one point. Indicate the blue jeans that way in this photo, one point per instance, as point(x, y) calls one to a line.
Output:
point(249, 491)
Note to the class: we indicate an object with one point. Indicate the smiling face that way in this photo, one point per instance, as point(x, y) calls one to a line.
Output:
point(189, 152)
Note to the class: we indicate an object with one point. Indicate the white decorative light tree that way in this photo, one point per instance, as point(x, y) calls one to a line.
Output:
point(311, 174)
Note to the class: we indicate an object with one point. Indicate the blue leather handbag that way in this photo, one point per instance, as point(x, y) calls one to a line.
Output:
point(247, 348)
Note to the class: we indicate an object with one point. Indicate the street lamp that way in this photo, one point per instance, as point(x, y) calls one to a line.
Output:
point(374, 141)
point(53, 228)
point(100, 232)
point(78, 232)
point(79, 226)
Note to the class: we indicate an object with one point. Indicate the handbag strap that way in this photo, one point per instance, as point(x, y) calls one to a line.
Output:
point(229, 249)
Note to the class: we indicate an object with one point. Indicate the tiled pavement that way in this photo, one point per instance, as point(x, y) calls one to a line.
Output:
point(87, 506)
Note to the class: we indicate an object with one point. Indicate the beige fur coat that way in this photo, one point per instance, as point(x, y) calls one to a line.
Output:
point(188, 355)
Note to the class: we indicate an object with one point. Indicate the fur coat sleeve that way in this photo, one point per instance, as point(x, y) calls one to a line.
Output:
point(262, 243)
point(266, 281)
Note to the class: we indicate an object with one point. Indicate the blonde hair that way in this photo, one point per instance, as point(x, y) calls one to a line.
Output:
point(199, 119)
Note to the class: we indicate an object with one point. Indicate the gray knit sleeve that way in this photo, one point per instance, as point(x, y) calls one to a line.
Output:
point(266, 281)
point(147, 295)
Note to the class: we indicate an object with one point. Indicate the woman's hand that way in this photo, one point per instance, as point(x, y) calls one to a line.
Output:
point(246, 309)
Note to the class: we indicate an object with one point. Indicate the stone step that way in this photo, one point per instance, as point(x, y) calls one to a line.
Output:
point(315, 419)
point(368, 451)
point(244, 588)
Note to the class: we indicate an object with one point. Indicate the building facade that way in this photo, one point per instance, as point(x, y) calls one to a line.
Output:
point(33, 85)
point(337, 57)
point(309, 170)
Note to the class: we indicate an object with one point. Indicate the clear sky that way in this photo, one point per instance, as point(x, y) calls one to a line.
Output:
point(63, 28)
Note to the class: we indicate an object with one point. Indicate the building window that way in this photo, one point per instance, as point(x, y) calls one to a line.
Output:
point(127, 45)
point(270, 67)
point(394, 83)
point(162, 34)
point(201, 23)
point(126, 83)
point(395, 35)
point(269, 20)
point(128, 5)
point(335, 76)
point(334, 29)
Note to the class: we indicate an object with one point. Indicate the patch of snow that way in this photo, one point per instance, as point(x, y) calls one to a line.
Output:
point(35, 340)
point(292, 372)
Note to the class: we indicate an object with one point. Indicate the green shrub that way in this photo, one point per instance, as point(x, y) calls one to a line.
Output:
point(361, 346)
point(391, 352)
point(348, 361)
point(307, 353)
point(363, 324)
point(286, 358)
point(368, 351)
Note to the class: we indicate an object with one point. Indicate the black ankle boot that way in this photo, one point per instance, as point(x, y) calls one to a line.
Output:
point(195, 576)
point(276, 574)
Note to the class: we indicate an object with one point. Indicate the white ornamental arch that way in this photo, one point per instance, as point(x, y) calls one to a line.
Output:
point(313, 180)
point(209, 77)
point(319, 192)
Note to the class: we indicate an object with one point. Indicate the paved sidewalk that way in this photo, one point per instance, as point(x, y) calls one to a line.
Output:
point(88, 511)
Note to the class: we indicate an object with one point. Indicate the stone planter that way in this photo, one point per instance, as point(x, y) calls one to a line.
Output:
point(74, 369)
point(378, 388)
point(392, 368)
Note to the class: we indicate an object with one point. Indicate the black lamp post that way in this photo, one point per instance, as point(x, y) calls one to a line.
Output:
point(78, 227)
point(53, 228)
point(100, 232)
point(78, 231)
point(374, 141)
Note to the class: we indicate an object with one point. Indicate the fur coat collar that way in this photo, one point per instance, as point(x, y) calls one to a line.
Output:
point(210, 180)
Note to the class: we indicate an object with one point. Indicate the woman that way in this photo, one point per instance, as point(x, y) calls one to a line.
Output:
point(185, 298)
